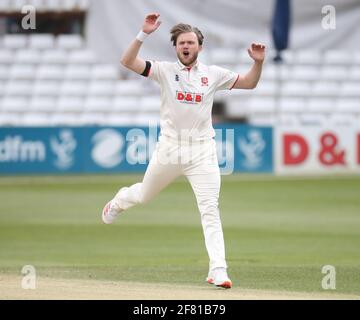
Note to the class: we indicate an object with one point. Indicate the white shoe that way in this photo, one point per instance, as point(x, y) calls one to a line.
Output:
point(219, 278)
point(110, 212)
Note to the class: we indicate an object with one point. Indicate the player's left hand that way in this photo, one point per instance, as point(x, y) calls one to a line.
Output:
point(257, 52)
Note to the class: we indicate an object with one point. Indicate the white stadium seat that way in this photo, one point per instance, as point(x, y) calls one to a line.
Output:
point(221, 56)
point(266, 88)
point(242, 57)
point(262, 105)
point(40, 5)
point(83, 4)
point(325, 89)
point(341, 119)
point(272, 72)
point(313, 119)
point(6, 56)
point(319, 105)
point(336, 73)
point(308, 57)
point(18, 88)
point(100, 104)
point(122, 119)
point(89, 119)
point(150, 104)
point(69, 4)
point(82, 57)
point(18, 4)
point(5, 5)
point(147, 119)
point(15, 104)
point(46, 88)
point(29, 56)
point(123, 104)
point(237, 107)
point(104, 72)
point(356, 58)
point(70, 119)
point(287, 119)
point(304, 73)
point(338, 57)
point(287, 55)
point(2, 88)
point(354, 73)
point(50, 72)
point(15, 41)
point(105, 88)
point(10, 119)
point(35, 119)
point(263, 120)
point(53, 5)
point(348, 105)
point(54, 56)
point(69, 42)
point(73, 72)
point(43, 104)
point(129, 87)
point(41, 41)
point(292, 105)
point(4, 72)
point(269, 72)
point(70, 104)
point(241, 68)
point(350, 89)
point(22, 72)
point(74, 88)
point(296, 88)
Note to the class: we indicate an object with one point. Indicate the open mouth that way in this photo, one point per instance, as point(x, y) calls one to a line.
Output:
point(186, 53)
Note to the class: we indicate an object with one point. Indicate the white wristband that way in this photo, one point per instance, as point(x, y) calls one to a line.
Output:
point(141, 36)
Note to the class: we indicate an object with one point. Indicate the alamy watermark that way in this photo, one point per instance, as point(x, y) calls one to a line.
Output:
point(29, 20)
point(28, 280)
point(329, 280)
point(328, 22)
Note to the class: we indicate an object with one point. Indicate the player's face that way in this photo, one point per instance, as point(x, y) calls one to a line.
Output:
point(187, 48)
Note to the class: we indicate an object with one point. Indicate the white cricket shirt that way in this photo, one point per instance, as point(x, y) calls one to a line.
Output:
point(187, 96)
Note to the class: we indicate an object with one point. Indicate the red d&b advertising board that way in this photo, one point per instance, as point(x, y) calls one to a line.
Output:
point(317, 150)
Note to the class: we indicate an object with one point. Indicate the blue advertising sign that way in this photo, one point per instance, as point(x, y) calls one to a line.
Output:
point(42, 150)
point(244, 148)
point(121, 149)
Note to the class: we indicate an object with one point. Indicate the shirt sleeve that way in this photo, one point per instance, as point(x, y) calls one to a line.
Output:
point(156, 71)
point(225, 79)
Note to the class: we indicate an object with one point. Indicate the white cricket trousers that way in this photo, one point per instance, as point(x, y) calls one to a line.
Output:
point(198, 162)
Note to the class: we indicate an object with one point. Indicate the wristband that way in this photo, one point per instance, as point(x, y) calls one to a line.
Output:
point(141, 36)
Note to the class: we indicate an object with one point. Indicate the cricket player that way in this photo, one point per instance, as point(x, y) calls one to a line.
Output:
point(186, 143)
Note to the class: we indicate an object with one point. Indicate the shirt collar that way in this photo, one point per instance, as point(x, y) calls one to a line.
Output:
point(183, 67)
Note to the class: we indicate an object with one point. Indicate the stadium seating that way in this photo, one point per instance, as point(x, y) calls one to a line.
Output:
point(45, 5)
point(48, 80)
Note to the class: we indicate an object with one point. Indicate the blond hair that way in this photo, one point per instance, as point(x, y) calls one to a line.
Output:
point(185, 28)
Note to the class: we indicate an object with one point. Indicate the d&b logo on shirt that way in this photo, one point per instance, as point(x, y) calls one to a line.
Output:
point(189, 97)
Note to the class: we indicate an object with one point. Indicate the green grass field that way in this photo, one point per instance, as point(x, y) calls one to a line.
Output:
point(279, 232)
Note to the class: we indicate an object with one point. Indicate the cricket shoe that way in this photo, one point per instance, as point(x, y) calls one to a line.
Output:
point(110, 212)
point(219, 278)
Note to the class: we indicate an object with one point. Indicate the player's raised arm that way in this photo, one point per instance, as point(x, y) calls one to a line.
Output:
point(250, 80)
point(130, 57)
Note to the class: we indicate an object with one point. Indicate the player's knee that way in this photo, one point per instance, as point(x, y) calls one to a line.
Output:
point(210, 211)
point(144, 197)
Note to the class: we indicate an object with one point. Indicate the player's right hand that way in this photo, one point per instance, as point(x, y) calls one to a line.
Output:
point(151, 23)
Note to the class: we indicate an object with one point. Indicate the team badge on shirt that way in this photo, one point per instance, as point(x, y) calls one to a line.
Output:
point(204, 81)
